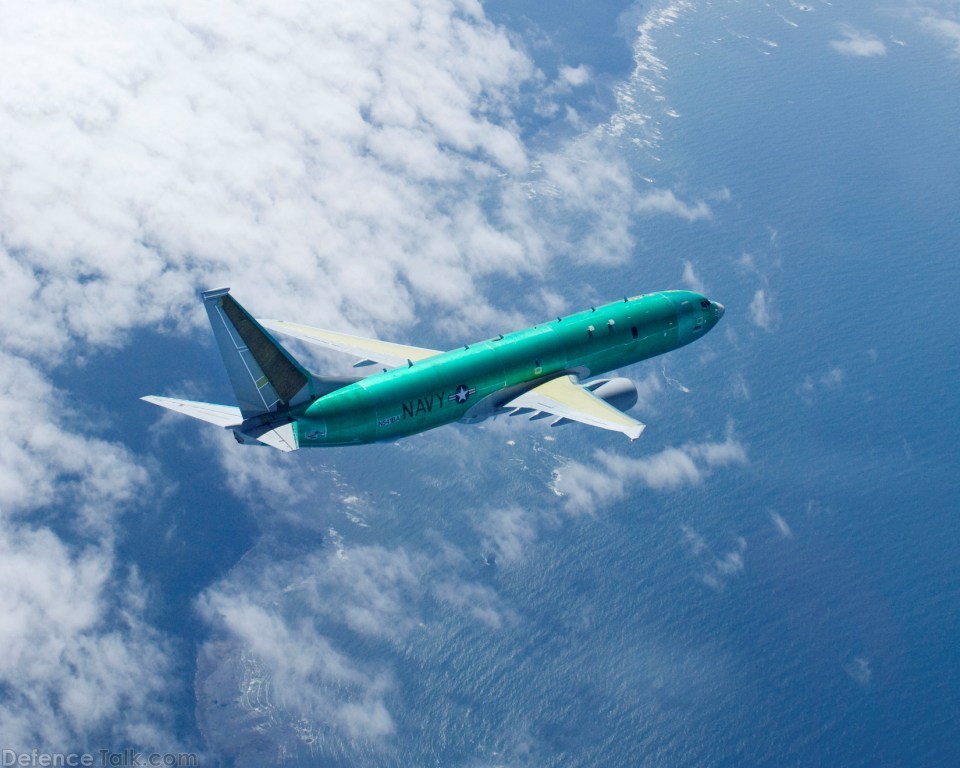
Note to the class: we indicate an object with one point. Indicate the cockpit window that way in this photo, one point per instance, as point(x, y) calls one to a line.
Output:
point(704, 303)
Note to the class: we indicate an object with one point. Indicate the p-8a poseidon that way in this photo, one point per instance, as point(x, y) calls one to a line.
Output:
point(543, 372)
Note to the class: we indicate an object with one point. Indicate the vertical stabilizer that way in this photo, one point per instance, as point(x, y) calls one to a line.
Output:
point(265, 377)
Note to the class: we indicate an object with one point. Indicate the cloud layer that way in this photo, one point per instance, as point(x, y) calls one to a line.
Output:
point(79, 661)
point(79, 658)
point(292, 151)
point(348, 163)
point(858, 43)
point(942, 19)
point(610, 476)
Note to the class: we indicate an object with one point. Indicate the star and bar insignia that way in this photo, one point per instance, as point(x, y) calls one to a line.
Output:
point(462, 393)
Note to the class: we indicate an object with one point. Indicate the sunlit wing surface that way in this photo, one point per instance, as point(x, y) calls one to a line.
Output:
point(368, 350)
point(280, 437)
point(565, 398)
point(221, 415)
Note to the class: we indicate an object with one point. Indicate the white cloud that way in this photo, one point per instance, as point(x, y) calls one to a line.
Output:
point(272, 478)
point(508, 532)
point(781, 525)
point(352, 165)
point(292, 620)
point(44, 460)
point(858, 43)
point(666, 470)
point(76, 657)
point(284, 151)
point(575, 77)
point(833, 378)
point(479, 602)
point(298, 668)
point(641, 98)
point(691, 279)
point(316, 639)
point(589, 197)
point(647, 389)
point(163, 148)
point(830, 380)
point(716, 569)
point(859, 670)
point(944, 28)
point(608, 477)
point(730, 451)
point(738, 387)
point(940, 18)
point(288, 153)
point(762, 311)
point(665, 201)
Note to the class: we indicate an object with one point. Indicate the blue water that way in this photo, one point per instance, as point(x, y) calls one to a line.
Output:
point(628, 636)
point(836, 646)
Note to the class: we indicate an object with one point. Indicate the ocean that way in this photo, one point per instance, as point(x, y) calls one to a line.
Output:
point(769, 577)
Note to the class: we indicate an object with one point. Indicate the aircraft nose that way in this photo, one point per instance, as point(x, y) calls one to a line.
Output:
point(720, 309)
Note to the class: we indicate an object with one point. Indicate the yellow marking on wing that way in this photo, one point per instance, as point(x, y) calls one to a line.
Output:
point(385, 352)
point(564, 397)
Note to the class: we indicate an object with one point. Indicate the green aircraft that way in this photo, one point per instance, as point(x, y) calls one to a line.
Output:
point(540, 372)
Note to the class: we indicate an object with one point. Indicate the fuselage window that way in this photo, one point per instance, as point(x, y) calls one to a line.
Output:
point(633, 330)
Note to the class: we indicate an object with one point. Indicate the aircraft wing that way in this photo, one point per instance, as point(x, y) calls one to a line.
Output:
point(221, 415)
point(281, 437)
point(369, 351)
point(565, 398)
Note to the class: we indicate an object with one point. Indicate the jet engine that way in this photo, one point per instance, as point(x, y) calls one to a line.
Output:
point(621, 393)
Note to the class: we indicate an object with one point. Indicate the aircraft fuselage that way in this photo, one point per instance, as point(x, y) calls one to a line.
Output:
point(469, 383)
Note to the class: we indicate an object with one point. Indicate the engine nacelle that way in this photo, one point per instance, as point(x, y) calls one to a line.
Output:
point(621, 393)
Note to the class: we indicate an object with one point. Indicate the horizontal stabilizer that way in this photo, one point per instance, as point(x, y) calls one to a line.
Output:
point(221, 415)
point(282, 437)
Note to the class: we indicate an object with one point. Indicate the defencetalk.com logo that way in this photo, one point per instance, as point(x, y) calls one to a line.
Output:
point(102, 757)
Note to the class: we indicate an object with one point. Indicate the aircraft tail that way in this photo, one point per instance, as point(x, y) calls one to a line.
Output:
point(265, 377)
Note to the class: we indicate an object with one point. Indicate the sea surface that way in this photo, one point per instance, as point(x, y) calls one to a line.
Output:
point(798, 607)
